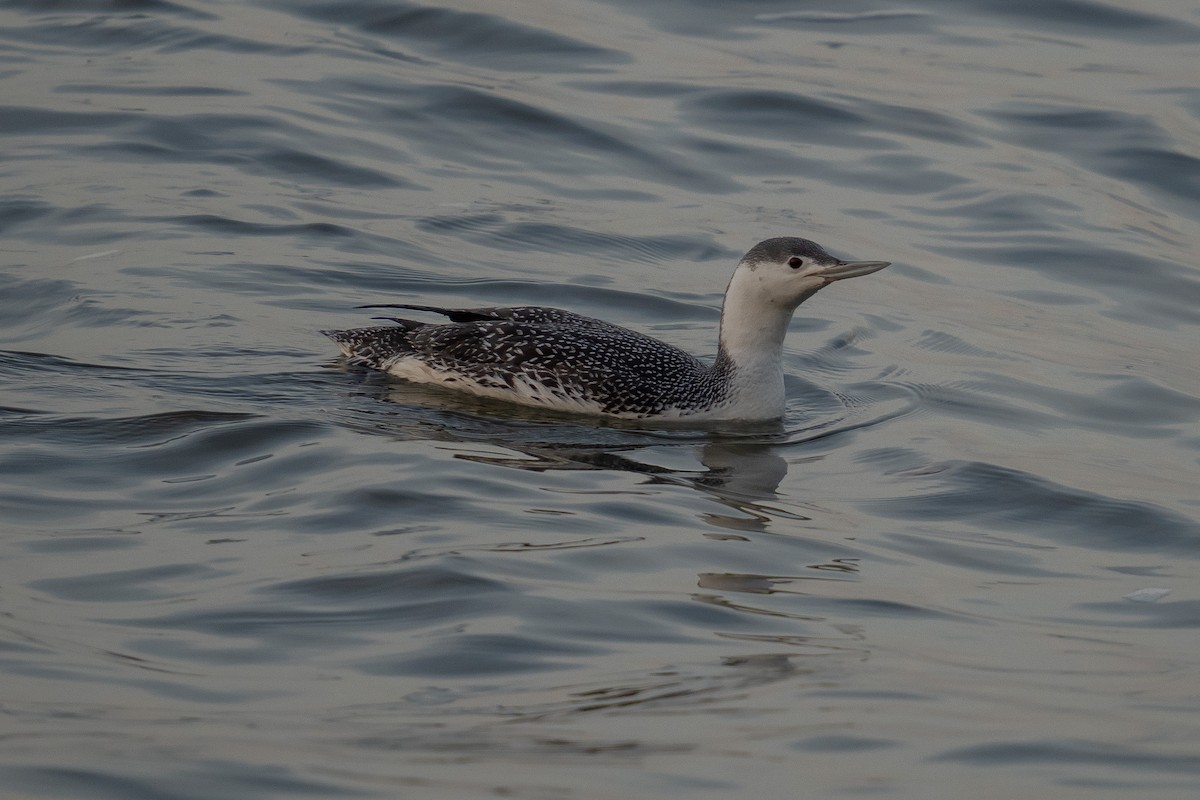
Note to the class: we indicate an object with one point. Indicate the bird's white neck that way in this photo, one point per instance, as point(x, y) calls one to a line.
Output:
point(753, 326)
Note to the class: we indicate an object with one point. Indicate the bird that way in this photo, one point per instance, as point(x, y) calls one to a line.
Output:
point(559, 360)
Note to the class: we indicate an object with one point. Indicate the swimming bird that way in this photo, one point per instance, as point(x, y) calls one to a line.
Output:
point(556, 359)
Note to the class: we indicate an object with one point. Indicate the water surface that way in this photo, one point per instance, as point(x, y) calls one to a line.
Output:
point(233, 566)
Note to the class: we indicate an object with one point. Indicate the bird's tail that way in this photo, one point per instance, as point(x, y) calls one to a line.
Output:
point(375, 347)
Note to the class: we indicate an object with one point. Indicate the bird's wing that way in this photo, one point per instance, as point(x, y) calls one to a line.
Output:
point(619, 369)
point(533, 314)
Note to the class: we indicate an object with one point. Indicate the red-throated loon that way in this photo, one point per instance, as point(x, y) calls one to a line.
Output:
point(555, 359)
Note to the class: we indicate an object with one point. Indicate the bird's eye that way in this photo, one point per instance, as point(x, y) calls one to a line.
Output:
point(795, 262)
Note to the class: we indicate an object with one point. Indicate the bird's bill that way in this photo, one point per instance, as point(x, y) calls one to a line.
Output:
point(850, 269)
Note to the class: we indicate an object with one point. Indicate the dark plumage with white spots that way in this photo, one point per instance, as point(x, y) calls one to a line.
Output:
point(557, 359)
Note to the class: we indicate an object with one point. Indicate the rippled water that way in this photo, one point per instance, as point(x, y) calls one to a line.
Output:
point(234, 567)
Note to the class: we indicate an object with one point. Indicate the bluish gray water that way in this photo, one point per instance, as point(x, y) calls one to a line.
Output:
point(233, 567)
